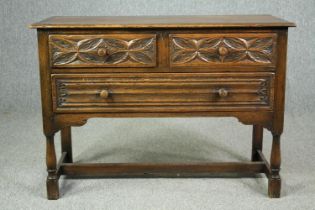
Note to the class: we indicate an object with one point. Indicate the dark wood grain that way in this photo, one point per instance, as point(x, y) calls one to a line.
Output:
point(222, 49)
point(159, 170)
point(257, 141)
point(178, 66)
point(184, 92)
point(51, 162)
point(131, 50)
point(66, 143)
point(274, 187)
point(163, 21)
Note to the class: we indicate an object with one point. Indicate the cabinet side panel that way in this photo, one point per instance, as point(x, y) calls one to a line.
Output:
point(45, 82)
point(279, 103)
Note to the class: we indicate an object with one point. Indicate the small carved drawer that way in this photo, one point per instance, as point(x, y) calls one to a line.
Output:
point(103, 50)
point(222, 49)
point(162, 92)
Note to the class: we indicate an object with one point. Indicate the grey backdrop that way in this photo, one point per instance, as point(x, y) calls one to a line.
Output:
point(19, 86)
point(22, 146)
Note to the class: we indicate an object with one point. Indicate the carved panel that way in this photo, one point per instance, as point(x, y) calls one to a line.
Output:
point(191, 49)
point(162, 92)
point(103, 50)
point(263, 91)
point(62, 92)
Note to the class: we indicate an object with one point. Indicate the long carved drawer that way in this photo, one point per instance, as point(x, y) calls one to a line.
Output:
point(162, 92)
point(222, 49)
point(103, 50)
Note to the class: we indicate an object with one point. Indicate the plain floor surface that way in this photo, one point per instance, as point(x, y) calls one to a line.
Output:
point(23, 170)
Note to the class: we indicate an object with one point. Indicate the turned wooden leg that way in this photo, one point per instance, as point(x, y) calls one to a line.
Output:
point(257, 141)
point(66, 145)
point(274, 187)
point(52, 178)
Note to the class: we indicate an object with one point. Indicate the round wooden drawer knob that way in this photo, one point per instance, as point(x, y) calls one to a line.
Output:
point(223, 51)
point(102, 52)
point(223, 92)
point(104, 94)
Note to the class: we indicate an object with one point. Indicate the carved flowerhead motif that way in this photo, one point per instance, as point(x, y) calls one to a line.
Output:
point(72, 50)
point(222, 49)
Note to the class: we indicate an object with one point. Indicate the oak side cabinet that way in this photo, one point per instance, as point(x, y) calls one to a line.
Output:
point(162, 66)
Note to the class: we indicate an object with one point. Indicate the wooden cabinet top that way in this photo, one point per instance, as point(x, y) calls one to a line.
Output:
point(214, 21)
